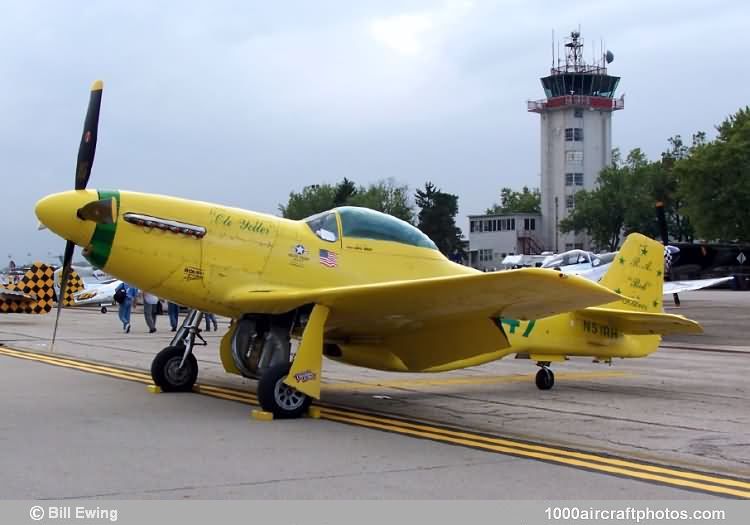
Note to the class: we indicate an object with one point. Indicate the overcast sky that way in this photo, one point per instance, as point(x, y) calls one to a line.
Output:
point(240, 102)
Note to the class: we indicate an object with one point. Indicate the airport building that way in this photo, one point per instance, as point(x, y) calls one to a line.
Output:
point(575, 144)
point(492, 237)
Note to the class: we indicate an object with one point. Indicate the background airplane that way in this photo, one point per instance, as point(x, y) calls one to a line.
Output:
point(594, 266)
point(79, 292)
point(353, 284)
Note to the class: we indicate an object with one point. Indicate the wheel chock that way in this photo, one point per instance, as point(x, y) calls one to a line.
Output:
point(154, 389)
point(313, 412)
point(261, 415)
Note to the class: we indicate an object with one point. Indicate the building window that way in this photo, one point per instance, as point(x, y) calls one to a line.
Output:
point(574, 157)
point(529, 224)
point(568, 179)
point(573, 134)
point(578, 179)
point(472, 226)
point(568, 246)
point(485, 255)
point(570, 202)
point(578, 113)
point(578, 246)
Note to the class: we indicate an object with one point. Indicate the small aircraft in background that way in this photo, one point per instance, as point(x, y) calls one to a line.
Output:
point(594, 266)
point(82, 293)
point(352, 284)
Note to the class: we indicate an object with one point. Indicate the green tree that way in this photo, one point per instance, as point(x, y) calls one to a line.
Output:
point(620, 203)
point(665, 185)
point(311, 200)
point(437, 219)
point(386, 196)
point(524, 201)
point(714, 181)
point(345, 190)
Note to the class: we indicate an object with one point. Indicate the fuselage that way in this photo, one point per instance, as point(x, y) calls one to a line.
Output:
point(240, 249)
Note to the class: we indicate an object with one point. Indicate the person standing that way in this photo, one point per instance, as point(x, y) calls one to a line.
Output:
point(210, 318)
point(128, 295)
point(173, 309)
point(149, 310)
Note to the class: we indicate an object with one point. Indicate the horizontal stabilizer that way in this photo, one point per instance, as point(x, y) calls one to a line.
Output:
point(689, 286)
point(641, 323)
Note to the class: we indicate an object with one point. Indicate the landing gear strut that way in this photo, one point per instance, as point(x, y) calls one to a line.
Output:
point(545, 379)
point(175, 368)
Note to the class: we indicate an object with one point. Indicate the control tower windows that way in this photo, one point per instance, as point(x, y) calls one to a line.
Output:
point(574, 179)
point(573, 134)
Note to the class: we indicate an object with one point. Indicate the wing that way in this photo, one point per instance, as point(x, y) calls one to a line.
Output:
point(383, 308)
point(688, 286)
point(641, 323)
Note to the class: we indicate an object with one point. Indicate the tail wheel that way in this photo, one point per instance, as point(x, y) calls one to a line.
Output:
point(167, 373)
point(545, 379)
point(283, 401)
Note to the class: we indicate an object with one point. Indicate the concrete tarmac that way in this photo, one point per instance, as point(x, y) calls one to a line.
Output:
point(69, 434)
point(683, 407)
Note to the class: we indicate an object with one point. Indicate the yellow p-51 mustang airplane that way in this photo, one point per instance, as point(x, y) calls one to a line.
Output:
point(357, 285)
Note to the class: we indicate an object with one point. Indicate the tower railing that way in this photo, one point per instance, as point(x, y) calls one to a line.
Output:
point(584, 101)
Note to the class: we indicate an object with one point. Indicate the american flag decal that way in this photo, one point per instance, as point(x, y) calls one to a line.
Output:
point(328, 258)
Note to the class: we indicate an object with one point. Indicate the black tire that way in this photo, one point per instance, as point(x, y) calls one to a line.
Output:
point(545, 379)
point(104, 309)
point(166, 373)
point(283, 401)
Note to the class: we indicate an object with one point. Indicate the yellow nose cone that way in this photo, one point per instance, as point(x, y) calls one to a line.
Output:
point(58, 213)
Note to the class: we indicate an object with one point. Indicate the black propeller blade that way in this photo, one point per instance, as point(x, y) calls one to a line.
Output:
point(87, 149)
point(67, 260)
point(94, 211)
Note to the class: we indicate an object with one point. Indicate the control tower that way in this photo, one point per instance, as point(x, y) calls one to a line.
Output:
point(576, 135)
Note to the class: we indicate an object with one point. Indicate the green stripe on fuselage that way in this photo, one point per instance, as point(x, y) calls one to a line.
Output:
point(101, 242)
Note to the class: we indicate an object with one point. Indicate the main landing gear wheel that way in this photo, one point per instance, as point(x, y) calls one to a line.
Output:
point(104, 309)
point(283, 401)
point(545, 379)
point(167, 373)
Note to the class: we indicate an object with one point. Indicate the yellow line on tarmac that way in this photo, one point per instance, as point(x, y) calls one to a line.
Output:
point(610, 465)
point(450, 434)
point(634, 474)
point(78, 365)
point(463, 381)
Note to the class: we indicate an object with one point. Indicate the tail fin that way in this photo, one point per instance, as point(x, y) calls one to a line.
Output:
point(37, 287)
point(637, 272)
point(75, 285)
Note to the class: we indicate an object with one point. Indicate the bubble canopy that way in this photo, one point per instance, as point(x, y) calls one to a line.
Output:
point(364, 223)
